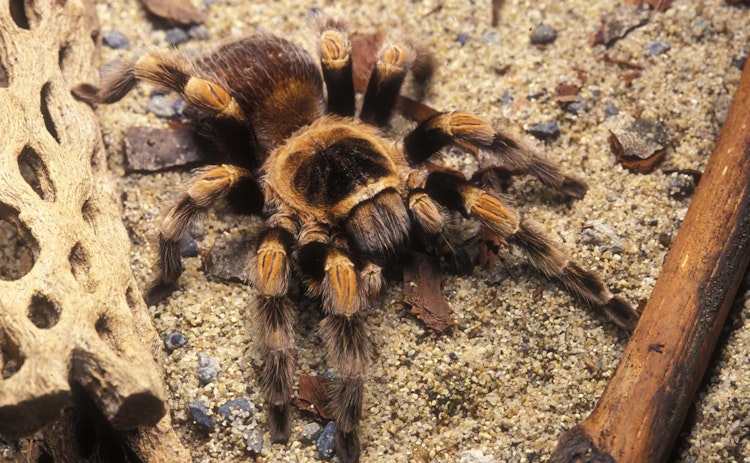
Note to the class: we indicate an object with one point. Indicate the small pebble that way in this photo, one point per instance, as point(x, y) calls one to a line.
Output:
point(199, 32)
point(115, 39)
point(475, 456)
point(176, 36)
point(462, 38)
point(543, 34)
point(610, 110)
point(326, 443)
point(236, 408)
point(310, 433)
point(599, 233)
point(507, 98)
point(253, 440)
point(491, 37)
point(656, 47)
point(739, 63)
point(665, 239)
point(208, 368)
point(576, 107)
point(199, 413)
point(547, 131)
point(160, 105)
point(174, 341)
point(681, 185)
point(453, 356)
point(188, 247)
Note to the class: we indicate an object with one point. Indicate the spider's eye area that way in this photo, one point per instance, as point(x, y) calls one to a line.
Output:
point(379, 225)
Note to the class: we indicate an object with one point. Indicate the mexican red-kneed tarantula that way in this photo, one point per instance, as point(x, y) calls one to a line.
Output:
point(338, 199)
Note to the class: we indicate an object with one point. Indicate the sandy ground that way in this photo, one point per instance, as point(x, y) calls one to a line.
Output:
point(524, 362)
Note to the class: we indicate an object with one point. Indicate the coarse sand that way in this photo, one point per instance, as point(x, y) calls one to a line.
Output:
point(524, 362)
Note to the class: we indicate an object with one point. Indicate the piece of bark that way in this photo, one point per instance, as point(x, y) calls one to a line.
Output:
point(618, 23)
point(422, 292)
point(75, 320)
point(175, 11)
point(639, 145)
point(150, 149)
point(642, 410)
point(313, 396)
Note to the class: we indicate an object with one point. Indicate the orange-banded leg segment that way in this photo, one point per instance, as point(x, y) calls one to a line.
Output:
point(170, 72)
point(212, 185)
point(269, 272)
point(394, 61)
point(433, 230)
point(348, 347)
point(336, 63)
point(547, 256)
point(440, 130)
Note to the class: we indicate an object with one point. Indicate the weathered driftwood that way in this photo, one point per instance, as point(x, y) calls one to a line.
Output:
point(641, 412)
point(72, 321)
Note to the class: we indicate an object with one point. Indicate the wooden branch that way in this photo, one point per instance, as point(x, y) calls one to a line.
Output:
point(71, 316)
point(641, 412)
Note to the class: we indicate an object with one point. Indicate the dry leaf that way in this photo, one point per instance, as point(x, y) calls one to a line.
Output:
point(640, 145)
point(176, 11)
point(313, 395)
point(422, 292)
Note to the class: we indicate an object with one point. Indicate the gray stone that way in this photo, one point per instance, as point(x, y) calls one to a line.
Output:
point(160, 105)
point(656, 47)
point(546, 131)
point(326, 443)
point(543, 34)
point(174, 341)
point(236, 408)
point(115, 39)
point(310, 433)
point(253, 439)
point(176, 36)
point(199, 413)
point(599, 233)
point(208, 368)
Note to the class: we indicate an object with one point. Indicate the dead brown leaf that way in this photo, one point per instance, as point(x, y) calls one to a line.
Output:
point(175, 11)
point(313, 396)
point(640, 145)
point(422, 292)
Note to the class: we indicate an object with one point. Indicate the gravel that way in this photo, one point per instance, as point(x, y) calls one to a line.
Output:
point(508, 402)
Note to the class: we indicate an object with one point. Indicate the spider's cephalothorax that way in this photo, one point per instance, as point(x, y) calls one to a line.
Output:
point(339, 201)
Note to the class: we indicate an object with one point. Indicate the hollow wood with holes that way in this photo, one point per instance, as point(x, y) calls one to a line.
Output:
point(71, 316)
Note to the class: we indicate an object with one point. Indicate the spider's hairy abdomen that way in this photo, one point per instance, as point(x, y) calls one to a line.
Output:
point(276, 83)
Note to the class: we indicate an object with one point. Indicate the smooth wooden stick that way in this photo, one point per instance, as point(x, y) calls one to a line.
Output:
point(642, 410)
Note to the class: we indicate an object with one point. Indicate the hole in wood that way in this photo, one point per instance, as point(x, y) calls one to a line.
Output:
point(18, 13)
point(35, 172)
point(48, 122)
point(133, 297)
point(43, 313)
point(80, 265)
point(64, 57)
point(105, 332)
point(18, 249)
point(88, 210)
point(11, 358)
point(4, 80)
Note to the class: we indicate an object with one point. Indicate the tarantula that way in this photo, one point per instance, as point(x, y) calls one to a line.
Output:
point(339, 201)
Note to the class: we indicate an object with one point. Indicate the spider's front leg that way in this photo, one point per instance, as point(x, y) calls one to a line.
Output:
point(213, 184)
point(269, 271)
point(440, 130)
point(345, 291)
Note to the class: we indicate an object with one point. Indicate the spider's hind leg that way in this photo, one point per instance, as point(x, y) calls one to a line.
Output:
point(456, 193)
point(233, 185)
